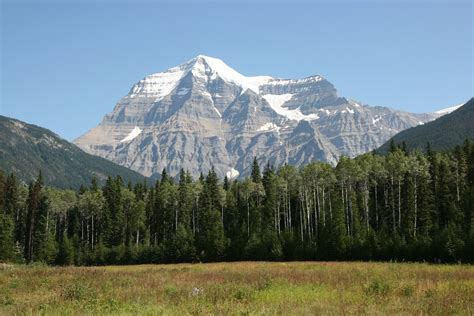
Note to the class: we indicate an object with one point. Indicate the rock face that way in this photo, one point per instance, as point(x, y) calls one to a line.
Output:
point(203, 113)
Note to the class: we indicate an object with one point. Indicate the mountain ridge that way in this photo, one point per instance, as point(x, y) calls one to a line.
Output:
point(26, 149)
point(443, 133)
point(203, 113)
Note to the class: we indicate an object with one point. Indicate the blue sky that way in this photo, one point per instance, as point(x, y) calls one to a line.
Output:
point(64, 64)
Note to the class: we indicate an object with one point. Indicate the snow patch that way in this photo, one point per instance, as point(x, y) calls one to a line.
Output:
point(269, 127)
point(232, 174)
point(375, 120)
point(158, 85)
point(278, 81)
point(183, 91)
point(134, 133)
point(217, 111)
point(276, 102)
point(328, 113)
point(449, 110)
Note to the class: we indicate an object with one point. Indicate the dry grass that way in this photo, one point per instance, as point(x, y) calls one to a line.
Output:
point(239, 288)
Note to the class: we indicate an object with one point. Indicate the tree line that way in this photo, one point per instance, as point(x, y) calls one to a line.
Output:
point(401, 206)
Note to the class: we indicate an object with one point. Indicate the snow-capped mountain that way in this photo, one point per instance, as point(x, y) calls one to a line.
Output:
point(204, 113)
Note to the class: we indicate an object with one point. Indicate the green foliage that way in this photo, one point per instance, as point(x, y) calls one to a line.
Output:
point(180, 247)
point(378, 288)
point(7, 242)
point(66, 252)
point(78, 291)
point(211, 241)
point(402, 206)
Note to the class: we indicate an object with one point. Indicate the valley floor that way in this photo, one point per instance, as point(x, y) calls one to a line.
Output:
point(239, 288)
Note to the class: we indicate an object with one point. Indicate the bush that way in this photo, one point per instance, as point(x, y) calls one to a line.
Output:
point(377, 288)
point(77, 291)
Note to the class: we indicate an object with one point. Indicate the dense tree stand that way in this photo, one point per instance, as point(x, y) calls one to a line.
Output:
point(402, 206)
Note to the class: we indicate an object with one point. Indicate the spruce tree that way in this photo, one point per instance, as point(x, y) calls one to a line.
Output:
point(66, 252)
point(226, 183)
point(211, 240)
point(256, 175)
point(7, 239)
point(34, 192)
point(10, 195)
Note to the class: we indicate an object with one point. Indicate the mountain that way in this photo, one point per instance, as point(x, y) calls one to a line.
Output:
point(204, 113)
point(26, 149)
point(443, 133)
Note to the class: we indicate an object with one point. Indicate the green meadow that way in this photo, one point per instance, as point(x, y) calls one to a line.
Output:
point(249, 288)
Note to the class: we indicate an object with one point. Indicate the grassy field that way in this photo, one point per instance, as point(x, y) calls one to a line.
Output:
point(239, 288)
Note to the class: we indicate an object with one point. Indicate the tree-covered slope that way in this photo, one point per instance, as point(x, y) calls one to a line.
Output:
point(443, 133)
point(26, 149)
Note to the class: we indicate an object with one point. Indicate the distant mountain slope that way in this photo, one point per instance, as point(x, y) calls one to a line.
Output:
point(443, 133)
point(204, 114)
point(25, 149)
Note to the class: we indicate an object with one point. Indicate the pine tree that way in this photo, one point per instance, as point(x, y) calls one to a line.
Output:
point(114, 219)
point(66, 252)
point(226, 183)
point(34, 192)
point(270, 216)
point(164, 176)
point(180, 247)
point(94, 184)
point(12, 208)
point(256, 175)
point(393, 147)
point(7, 239)
point(211, 240)
point(44, 244)
point(10, 195)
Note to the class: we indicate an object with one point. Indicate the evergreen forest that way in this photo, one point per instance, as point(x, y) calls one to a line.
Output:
point(402, 206)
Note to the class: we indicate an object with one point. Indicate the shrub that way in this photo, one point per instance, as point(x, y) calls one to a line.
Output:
point(377, 288)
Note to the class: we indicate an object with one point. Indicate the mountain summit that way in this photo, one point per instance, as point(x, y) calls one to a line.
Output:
point(203, 113)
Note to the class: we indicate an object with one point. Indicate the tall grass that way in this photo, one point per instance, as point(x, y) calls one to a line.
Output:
point(239, 288)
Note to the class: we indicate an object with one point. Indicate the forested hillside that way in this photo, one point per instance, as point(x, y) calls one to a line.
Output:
point(395, 207)
point(25, 149)
point(443, 133)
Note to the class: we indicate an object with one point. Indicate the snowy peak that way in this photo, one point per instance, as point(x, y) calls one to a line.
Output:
point(208, 68)
point(215, 67)
point(161, 84)
point(203, 114)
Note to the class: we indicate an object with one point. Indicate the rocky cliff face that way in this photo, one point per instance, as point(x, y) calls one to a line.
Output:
point(203, 113)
